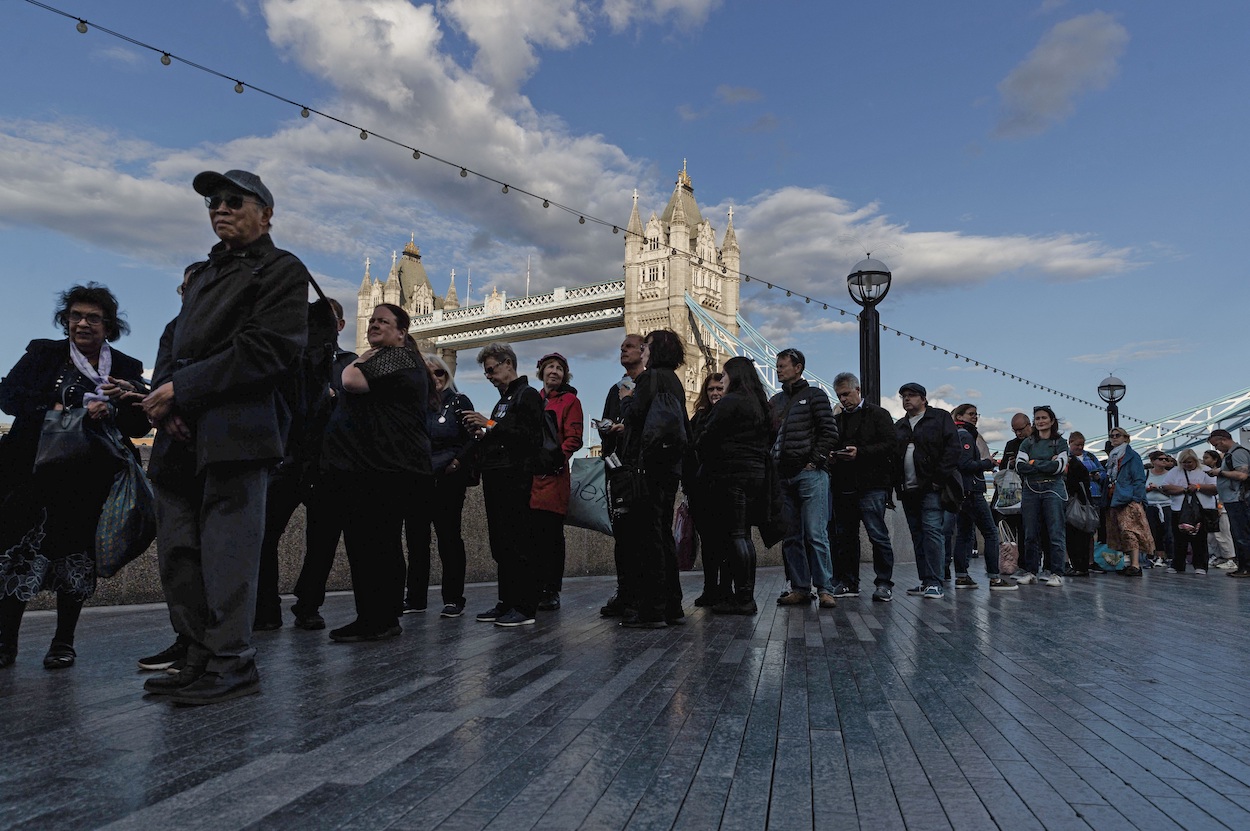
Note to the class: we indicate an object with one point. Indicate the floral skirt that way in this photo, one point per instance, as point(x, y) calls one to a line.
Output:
point(1128, 530)
point(25, 569)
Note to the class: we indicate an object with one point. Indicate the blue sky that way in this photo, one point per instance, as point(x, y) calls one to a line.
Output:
point(1058, 186)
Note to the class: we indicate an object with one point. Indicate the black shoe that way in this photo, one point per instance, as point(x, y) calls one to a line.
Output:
point(638, 622)
point(550, 602)
point(215, 687)
point(60, 656)
point(709, 598)
point(492, 614)
point(267, 624)
point(674, 616)
point(615, 607)
point(168, 683)
point(311, 621)
point(357, 632)
point(414, 607)
point(177, 651)
point(734, 606)
point(8, 654)
point(452, 610)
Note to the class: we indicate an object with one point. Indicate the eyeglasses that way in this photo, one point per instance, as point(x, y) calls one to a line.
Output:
point(233, 201)
point(92, 318)
point(439, 372)
point(489, 370)
point(1117, 435)
point(973, 414)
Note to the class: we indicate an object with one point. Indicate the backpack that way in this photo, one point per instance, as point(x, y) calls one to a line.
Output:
point(665, 431)
point(550, 460)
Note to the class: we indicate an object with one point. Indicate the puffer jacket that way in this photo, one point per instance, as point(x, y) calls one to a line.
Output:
point(733, 441)
point(806, 431)
point(971, 466)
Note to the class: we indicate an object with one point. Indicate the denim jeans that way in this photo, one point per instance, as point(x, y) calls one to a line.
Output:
point(950, 552)
point(925, 519)
point(805, 509)
point(976, 511)
point(1040, 511)
point(1239, 528)
point(849, 510)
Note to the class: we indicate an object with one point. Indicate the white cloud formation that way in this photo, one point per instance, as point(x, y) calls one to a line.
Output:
point(686, 14)
point(1148, 350)
point(506, 33)
point(1076, 56)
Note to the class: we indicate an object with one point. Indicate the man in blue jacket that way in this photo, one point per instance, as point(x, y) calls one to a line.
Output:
point(806, 433)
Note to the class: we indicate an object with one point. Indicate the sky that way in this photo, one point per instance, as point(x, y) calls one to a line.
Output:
point(1057, 186)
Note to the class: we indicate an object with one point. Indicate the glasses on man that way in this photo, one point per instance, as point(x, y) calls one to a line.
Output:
point(92, 318)
point(489, 370)
point(233, 201)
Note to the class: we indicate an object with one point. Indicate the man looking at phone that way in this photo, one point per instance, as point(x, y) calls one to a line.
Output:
point(611, 431)
point(862, 473)
point(1231, 484)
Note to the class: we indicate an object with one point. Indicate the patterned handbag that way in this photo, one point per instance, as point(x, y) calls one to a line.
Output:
point(127, 523)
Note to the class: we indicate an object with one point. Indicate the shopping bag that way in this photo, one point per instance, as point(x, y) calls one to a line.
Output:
point(588, 499)
point(1108, 559)
point(127, 523)
point(1008, 492)
point(1008, 550)
point(683, 535)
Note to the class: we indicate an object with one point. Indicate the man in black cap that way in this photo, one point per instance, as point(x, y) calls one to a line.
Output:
point(221, 425)
point(928, 446)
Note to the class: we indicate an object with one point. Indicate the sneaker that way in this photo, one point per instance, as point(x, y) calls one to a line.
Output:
point(355, 632)
point(637, 621)
point(795, 598)
point(312, 621)
point(733, 606)
point(828, 601)
point(550, 602)
point(266, 624)
point(841, 590)
point(1157, 562)
point(998, 584)
point(615, 607)
point(916, 591)
point(1226, 565)
point(492, 614)
point(412, 607)
point(965, 582)
point(1054, 581)
point(165, 658)
point(514, 618)
point(1200, 572)
point(1170, 570)
point(452, 610)
point(934, 593)
point(1026, 579)
point(882, 594)
point(1241, 572)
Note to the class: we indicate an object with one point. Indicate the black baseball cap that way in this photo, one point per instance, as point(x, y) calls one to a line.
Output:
point(210, 183)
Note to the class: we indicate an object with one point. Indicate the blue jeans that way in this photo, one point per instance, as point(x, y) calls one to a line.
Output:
point(1239, 530)
point(1040, 511)
point(805, 509)
point(849, 510)
point(925, 519)
point(976, 511)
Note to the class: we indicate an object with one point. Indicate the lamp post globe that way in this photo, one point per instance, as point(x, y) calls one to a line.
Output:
point(868, 284)
point(1111, 390)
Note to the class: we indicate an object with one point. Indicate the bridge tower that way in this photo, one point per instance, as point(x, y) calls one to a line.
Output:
point(673, 255)
point(407, 286)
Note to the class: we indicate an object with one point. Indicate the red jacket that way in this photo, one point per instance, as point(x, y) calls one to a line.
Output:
point(551, 492)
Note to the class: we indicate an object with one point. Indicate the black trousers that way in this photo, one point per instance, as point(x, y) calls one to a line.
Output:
point(444, 511)
point(281, 500)
point(653, 583)
point(510, 527)
point(1182, 542)
point(716, 577)
point(323, 527)
point(549, 549)
point(730, 536)
point(375, 504)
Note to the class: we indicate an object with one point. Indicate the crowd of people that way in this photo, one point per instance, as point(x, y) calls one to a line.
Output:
point(257, 409)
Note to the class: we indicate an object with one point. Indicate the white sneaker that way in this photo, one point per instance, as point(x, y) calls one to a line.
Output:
point(1227, 565)
point(1157, 562)
point(1200, 572)
point(1171, 570)
point(1054, 581)
point(1026, 579)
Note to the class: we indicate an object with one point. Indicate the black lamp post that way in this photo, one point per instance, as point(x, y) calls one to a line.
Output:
point(1111, 390)
point(868, 284)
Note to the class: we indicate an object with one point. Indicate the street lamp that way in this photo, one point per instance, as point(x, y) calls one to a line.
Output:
point(1111, 390)
point(868, 284)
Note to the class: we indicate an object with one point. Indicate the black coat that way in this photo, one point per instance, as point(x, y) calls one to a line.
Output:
point(634, 411)
point(29, 391)
point(806, 431)
point(243, 324)
point(513, 443)
point(937, 447)
point(733, 441)
point(870, 430)
point(971, 466)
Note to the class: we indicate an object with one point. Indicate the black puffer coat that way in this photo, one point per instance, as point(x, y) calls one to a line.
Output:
point(806, 432)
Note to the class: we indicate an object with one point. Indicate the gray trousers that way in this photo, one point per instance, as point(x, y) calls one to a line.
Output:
point(209, 533)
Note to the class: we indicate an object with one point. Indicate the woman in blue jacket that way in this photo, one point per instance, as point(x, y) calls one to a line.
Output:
point(1127, 529)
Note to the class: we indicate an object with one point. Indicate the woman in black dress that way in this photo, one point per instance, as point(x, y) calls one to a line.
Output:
point(48, 519)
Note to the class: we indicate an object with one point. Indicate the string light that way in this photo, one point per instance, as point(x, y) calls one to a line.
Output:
point(166, 59)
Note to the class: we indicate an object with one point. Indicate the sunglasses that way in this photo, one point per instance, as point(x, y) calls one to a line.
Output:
point(233, 201)
point(92, 318)
point(439, 372)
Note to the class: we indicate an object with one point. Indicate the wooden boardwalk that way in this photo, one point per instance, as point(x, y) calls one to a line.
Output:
point(1112, 703)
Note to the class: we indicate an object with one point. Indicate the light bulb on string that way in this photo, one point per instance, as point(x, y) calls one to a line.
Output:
point(82, 26)
point(615, 230)
point(238, 87)
point(416, 154)
point(788, 293)
point(581, 220)
point(165, 59)
point(463, 173)
point(546, 204)
point(504, 190)
point(807, 300)
point(746, 278)
point(364, 134)
point(303, 112)
point(825, 306)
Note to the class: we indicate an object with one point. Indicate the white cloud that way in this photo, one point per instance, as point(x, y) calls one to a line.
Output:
point(1075, 57)
point(1148, 350)
point(119, 55)
point(686, 14)
point(506, 33)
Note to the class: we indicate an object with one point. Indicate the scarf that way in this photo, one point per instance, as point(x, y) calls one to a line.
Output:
point(96, 376)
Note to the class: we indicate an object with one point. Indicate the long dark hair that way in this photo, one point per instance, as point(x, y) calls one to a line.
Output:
point(666, 351)
point(703, 403)
point(744, 379)
point(1054, 422)
point(96, 295)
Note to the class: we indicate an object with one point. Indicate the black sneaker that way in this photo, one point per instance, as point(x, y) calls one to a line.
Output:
point(413, 607)
point(550, 602)
point(266, 624)
point(492, 614)
point(615, 607)
point(452, 610)
point(842, 590)
point(356, 632)
point(166, 684)
point(164, 659)
point(514, 618)
point(312, 621)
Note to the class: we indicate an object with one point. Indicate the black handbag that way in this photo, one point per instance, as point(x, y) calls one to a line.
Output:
point(63, 438)
point(1191, 510)
point(1082, 515)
